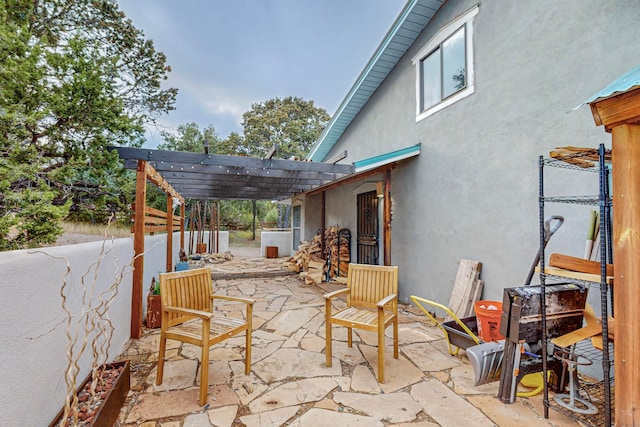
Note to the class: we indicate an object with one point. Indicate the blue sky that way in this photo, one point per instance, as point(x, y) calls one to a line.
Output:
point(227, 54)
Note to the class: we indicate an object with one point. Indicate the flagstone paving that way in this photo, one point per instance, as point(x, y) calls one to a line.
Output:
point(290, 384)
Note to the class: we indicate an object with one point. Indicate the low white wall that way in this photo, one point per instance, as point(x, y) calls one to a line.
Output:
point(32, 329)
point(281, 239)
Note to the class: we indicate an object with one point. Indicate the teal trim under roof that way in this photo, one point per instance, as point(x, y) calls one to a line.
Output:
point(385, 159)
point(404, 31)
point(628, 81)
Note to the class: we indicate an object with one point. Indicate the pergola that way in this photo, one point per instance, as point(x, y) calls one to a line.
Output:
point(214, 177)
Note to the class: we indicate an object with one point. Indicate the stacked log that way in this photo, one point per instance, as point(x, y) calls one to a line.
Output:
point(338, 252)
point(306, 252)
point(312, 264)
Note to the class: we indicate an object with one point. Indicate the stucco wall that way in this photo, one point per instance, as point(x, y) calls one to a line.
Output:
point(32, 329)
point(311, 214)
point(472, 192)
point(279, 239)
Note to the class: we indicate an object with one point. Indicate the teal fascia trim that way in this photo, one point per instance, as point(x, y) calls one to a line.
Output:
point(385, 159)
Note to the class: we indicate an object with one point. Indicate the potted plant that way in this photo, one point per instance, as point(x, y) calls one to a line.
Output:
point(154, 306)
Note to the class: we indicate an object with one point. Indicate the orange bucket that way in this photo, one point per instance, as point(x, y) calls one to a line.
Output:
point(488, 315)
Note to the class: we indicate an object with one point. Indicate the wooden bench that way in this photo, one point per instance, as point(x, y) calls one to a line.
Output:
point(188, 316)
point(372, 305)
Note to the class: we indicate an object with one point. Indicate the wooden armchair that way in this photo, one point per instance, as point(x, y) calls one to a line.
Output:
point(187, 316)
point(372, 304)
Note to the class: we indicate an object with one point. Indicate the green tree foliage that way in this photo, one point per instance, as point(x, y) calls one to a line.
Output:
point(292, 123)
point(189, 137)
point(235, 144)
point(75, 76)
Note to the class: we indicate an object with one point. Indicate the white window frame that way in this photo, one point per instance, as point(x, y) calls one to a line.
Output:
point(466, 19)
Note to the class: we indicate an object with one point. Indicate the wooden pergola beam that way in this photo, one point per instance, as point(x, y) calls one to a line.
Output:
point(352, 178)
point(160, 182)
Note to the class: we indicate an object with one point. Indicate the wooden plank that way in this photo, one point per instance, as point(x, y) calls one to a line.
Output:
point(468, 273)
point(578, 335)
point(475, 295)
point(595, 251)
point(316, 265)
point(555, 271)
point(580, 265)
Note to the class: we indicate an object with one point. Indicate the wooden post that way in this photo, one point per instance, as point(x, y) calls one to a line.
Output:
point(217, 226)
point(169, 265)
point(323, 220)
point(386, 217)
point(626, 247)
point(182, 210)
point(620, 115)
point(253, 219)
point(138, 250)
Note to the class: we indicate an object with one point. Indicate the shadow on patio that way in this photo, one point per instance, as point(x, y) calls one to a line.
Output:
point(289, 382)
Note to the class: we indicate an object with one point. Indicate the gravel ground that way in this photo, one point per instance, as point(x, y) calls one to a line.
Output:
point(73, 238)
point(244, 252)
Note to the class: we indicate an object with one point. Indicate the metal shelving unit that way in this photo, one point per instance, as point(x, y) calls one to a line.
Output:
point(599, 393)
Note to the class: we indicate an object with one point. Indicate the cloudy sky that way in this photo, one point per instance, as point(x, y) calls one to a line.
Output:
point(227, 54)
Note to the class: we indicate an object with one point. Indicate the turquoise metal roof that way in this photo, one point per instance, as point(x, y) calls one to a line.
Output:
point(384, 159)
point(628, 81)
point(404, 31)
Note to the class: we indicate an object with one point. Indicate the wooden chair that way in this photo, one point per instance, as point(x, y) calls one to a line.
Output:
point(372, 304)
point(187, 316)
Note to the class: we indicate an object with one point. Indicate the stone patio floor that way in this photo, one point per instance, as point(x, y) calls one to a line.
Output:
point(289, 383)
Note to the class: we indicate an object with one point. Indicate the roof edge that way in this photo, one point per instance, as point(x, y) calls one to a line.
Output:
point(386, 158)
point(313, 153)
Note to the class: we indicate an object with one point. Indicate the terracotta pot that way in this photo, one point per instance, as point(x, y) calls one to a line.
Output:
point(201, 248)
point(154, 311)
point(109, 410)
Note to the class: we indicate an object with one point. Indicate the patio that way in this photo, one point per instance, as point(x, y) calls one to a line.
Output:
point(289, 382)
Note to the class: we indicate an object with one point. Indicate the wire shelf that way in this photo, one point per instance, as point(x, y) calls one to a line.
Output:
point(580, 200)
point(591, 389)
point(583, 161)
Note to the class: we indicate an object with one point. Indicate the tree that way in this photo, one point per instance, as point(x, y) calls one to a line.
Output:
point(292, 123)
point(189, 137)
point(75, 76)
point(235, 144)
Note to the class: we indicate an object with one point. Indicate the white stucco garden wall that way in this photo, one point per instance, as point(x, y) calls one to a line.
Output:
point(280, 239)
point(32, 328)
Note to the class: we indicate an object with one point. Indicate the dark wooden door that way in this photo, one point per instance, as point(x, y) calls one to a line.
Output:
point(368, 228)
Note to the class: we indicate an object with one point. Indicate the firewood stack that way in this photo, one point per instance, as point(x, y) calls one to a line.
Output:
point(338, 252)
point(311, 263)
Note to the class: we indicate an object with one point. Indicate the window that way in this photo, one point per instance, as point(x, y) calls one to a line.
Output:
point(444, 67)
